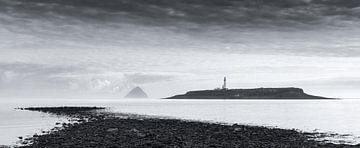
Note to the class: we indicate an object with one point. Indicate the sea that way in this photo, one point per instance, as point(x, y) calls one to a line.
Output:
point(338, 118)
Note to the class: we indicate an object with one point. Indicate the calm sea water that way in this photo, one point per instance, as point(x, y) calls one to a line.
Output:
point(334, 116)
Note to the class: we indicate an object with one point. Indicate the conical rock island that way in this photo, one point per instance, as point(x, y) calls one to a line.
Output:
point(137, 92)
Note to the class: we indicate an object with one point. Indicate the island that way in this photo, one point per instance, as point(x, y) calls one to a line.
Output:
point(136, 92)
point(256, 93)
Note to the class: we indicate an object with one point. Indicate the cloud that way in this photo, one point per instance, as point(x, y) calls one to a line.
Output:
point(72, 79)
point(140, 78)
point(305, 28)
point(32, 76)
point(202, 12)
point(108, 47)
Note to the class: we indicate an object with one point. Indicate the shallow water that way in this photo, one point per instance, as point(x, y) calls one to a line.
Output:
point(338, 116)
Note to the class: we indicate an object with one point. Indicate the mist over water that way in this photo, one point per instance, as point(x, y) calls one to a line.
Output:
point(93, 48)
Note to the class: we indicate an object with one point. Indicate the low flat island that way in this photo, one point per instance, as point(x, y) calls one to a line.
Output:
point(103, 129)
point(256, 93)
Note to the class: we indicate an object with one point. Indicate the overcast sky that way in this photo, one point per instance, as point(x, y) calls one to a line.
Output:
point(93, 48)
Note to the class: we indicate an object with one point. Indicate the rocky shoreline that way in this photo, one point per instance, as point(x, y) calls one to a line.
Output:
point(102, 129)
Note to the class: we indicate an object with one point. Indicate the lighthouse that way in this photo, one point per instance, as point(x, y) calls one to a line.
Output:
point(224, 85)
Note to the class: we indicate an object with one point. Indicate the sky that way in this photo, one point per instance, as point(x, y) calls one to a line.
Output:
point(104, 48)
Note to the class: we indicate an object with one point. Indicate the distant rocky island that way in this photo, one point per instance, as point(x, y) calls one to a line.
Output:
point(136, 92)
point(256, 93)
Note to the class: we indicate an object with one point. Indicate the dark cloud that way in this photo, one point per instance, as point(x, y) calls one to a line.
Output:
point(291, 27)
point(235, 13)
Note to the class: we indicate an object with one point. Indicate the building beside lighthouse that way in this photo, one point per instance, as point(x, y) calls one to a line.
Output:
point(223, 86)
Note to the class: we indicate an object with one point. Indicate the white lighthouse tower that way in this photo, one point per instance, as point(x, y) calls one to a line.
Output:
point(224, 85)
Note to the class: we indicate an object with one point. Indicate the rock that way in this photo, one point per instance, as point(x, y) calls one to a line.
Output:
point(140, 135)
point(134, 130)
point(112, 130)
point(237, 129)
point(106, 131)
point(137, 132)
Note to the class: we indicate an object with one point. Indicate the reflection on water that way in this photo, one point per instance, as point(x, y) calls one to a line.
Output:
point(339, 116)
point(15, 123)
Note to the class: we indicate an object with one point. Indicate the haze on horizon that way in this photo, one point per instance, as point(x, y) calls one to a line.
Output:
point(91, 48)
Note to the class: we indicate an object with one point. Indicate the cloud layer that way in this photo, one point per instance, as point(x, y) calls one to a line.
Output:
point(203, 12)
point(107, 47)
